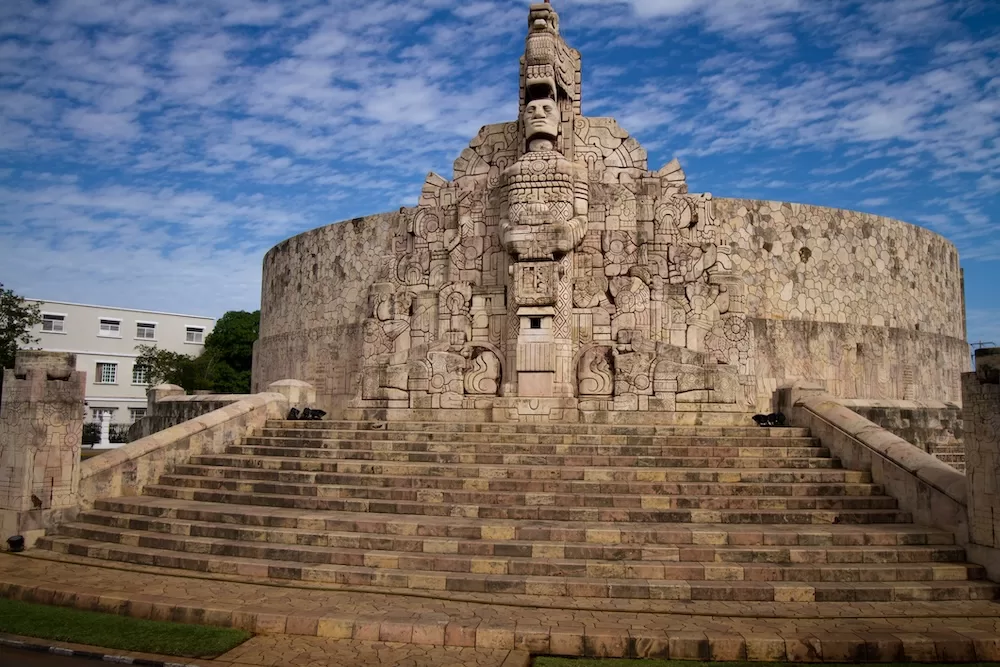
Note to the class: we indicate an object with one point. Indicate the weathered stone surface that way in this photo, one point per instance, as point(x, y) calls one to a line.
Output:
point(981, 401)
point(555, 259)
point(41, 430)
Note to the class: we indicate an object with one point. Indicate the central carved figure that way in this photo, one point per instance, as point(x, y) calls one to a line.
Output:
point(545, 196)
point(556, 274)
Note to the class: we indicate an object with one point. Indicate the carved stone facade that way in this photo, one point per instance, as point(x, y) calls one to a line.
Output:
point(555, 266)
point(41, 431)
point(556, 273)
point(981, 392)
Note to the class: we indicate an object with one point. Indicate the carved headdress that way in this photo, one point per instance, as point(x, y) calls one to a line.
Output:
point(551, 69)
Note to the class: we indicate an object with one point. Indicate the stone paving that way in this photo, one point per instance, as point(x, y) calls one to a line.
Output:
point(288, 651)
point(292, 651)
point(946, 631)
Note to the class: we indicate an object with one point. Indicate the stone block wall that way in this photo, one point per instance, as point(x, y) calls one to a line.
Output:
point(168, 405)
point(981, 403)
point(869, 307)
point(932, 426)
point(313, 304)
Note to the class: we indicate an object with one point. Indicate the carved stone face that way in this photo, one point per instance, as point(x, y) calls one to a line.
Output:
point(541, 119)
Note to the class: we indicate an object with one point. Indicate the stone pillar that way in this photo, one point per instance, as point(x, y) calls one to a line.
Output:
point(981, 434)
point(105, 430)
point(299, 394)
point(161, 391)
point(41, 431)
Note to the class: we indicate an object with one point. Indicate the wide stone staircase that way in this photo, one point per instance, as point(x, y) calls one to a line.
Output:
point(726, 512)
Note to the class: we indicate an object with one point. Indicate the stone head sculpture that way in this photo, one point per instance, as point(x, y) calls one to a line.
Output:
point(541, 120)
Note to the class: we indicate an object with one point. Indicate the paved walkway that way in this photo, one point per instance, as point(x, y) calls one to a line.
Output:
point(945, 631)
point(282, 651)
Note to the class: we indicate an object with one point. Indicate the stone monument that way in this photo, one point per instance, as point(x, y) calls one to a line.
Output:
point(41, 431)
point(556, 276)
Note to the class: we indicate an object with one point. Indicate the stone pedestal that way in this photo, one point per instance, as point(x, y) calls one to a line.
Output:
point(41, 430)
point(981, 433)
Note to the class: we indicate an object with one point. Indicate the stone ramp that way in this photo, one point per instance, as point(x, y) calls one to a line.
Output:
point(798, 632)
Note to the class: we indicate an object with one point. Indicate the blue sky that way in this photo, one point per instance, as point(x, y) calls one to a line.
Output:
point(151, 151)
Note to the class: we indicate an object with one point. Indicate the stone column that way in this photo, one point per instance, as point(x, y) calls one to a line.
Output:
point(981, 434)
point(105, 430)
point(41, 431)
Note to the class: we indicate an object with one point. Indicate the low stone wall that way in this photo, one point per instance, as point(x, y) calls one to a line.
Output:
point(169, 409)
point(932, 491)
point(128, 470)
point(981, 401)
point(927, 425)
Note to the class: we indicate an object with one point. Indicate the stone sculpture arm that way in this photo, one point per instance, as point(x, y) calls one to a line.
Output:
point(570, 233)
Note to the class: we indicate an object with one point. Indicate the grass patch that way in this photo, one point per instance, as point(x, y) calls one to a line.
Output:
point(618, 662)
point(116, 632)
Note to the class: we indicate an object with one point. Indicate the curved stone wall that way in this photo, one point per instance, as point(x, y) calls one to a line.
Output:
point(870, 306)
point(314, 296)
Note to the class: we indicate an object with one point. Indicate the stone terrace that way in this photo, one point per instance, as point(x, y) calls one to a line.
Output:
point(728, 513)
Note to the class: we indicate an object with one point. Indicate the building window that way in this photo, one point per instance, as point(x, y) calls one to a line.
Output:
point(535, 322)
point(145, 330)
point(111, 328)
point(54, 323)
point(107, 373)
point(139, 375)
point(136, 414)
point(99, 412)
point(195, 334)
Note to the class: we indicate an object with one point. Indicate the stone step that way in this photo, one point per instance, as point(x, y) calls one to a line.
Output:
point(683, 553)
point(550, 586)
point(548, 498)
point(262, 517)
point(747, 430)
point(588, 473)
point(536, 512)
point(803, 447)
point(529, 485)
point(697, 414)
point(552, 565)
point(761, 460)
point(467, 440)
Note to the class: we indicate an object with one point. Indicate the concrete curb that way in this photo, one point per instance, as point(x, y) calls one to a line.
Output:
point(90, 655)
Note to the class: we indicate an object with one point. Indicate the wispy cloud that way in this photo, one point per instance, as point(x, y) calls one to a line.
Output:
point(186, 137)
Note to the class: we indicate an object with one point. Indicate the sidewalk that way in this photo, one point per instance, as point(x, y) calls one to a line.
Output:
point(290, 651)
point(831, 632)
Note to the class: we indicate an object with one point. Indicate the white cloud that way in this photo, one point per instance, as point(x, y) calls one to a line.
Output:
point(100, 125)
point(191, 135)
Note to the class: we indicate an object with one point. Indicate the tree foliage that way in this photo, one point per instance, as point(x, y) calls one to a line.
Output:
point(16, 319)
point(223, 367)
point(229, 349)
point(164, 366)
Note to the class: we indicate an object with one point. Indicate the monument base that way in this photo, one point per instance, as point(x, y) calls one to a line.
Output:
point(32, 524)
point(503, 410)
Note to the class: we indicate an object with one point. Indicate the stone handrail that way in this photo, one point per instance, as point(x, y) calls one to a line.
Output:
point(932, 491)
point(128, 470)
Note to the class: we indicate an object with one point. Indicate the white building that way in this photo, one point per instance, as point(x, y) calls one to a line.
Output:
point(104, 340)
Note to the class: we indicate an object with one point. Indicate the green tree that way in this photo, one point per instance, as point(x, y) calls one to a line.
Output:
point(16, 319)
point(229, 351)
point(223, 367)
point(164, 366)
